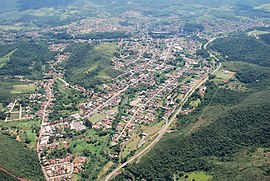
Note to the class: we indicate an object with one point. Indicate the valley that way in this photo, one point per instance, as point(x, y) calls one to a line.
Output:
point(134, 90)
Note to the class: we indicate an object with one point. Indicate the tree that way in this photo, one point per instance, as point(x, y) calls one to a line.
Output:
point(88, 124)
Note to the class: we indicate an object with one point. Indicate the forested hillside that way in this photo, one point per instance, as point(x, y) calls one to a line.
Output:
point(27, 59)
point(234, 131)
point(19, 160)
point(36, 4)
point(243, 48)
point(52, 13)
point(89, 65)
point(265, 38)
point(7, 177)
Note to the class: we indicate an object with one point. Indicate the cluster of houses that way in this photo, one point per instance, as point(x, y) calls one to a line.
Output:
point(62, 169)
point(91, 25)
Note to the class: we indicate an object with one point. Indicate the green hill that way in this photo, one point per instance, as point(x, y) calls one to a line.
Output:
point(17, 159)
point(52, 13)
point(7, 177)
point(243, 48)
point(27, 59)
point(89, 65)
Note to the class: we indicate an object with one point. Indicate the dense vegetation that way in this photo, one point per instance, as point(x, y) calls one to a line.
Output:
point(66, 102)
point(36, 4)
point(103, 35)
point(5, 87)
point(265, 38)
point(221, 139)
point(6, 177)
point(88, 66)
point(192, 28)
point(26, 60)
point(19, 160)
point(243, 48)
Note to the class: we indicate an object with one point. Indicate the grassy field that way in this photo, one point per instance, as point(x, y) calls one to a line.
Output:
point(5, 59)
point(105, 169)
point(228, 77)
point(26, 127)
point(76, 177)
point(62, 89)
point(195, 103)
point(225, 75)
point(80, 144)
point(133, 143)
point(23, 89)
point(14, 116)
point(96, 117)
point(130, 146)
point(113, 110)
point(107, 48)
point(151, 130)
point(1, 107)
point(196, 176)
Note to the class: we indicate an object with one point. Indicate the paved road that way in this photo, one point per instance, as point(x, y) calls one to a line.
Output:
point(134, 115)
point(210, 41)
point(162, 131)
point(107, 102)
point(49, 95)
point(43, 120)
point(65, 82)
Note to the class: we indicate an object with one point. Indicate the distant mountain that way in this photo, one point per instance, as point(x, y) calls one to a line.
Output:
point(36, 4)
point(56, 12)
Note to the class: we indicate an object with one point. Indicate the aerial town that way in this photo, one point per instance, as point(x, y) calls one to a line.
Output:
point(127, 114)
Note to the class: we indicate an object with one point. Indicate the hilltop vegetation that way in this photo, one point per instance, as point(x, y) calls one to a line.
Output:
point(89, 65)
point(7, 177)
point(243, 48)
point(27, 59)
point(265, 38)
point(219, 141)
point(34, 4)
point(103, 35)
point(19, 160)
point(52, 13)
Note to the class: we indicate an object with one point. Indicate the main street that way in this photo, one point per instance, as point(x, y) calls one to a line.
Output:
point(163, 130)
point(48, 96)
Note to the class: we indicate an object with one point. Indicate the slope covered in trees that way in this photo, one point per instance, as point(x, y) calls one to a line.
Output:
point(238, 129)
point(265, 38)
point(36, 4)
point(7, 177)
point(89, 66)
point(243, 48)
point(26, 60)
point(19, 160)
